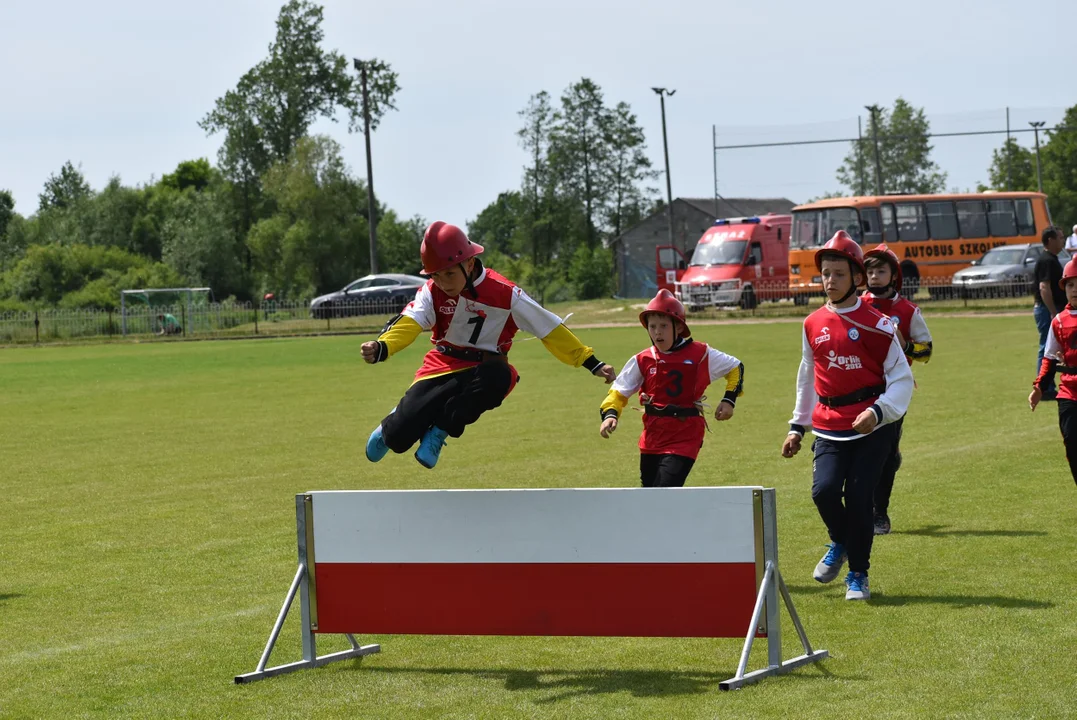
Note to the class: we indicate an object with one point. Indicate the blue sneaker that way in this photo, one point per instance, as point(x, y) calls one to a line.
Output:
point(830, 566)
point(375, 446)
point(857, 584)
point(430, 447)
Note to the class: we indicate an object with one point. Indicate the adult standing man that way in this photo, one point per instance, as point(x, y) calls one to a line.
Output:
point(1049, 297)
point(1071, 241)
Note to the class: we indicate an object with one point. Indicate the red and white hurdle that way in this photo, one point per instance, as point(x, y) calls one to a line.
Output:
point(633, 562)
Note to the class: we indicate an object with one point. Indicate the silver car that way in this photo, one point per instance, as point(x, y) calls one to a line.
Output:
point(1003, 271)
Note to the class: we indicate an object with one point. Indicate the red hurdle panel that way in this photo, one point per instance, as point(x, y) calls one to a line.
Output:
point(683, 562)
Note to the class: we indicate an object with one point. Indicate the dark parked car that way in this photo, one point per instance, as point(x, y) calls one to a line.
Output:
point(1003, 271)
point(370, 295)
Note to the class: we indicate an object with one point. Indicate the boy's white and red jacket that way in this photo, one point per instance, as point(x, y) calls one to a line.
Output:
point(911, 329)
point(467, 330)
point(1060, 353)
point(850, 361)
point(674, 381)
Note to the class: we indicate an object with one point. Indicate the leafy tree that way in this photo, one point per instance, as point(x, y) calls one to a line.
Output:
point(628, 168)
point(198, 242)
point(578, 151)
point(1059, 159)
point(904, 155)
point(194, 174)
point(398, 243)
point(1013, 167)
point(64, 190)
point(591, 273)
point(314, 241)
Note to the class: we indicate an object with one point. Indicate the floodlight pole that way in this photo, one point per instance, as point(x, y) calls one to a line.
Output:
point(1039, 174)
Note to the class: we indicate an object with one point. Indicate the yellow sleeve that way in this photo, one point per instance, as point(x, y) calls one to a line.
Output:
point(614, 401)
point(398, 334)
point(920, 352)
point(734, 380)
point(566, 347)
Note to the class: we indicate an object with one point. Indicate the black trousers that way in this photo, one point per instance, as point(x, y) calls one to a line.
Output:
point(664, 470)
point(844, 476)
point(450, 402)
point(1067, 423)
point(890, 468)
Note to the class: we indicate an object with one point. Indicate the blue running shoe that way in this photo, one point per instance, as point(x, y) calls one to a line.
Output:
point(375, 446)
point(857, 584)
point(830, 566)
point(430, 447)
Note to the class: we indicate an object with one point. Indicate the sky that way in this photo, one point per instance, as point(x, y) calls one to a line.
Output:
point(118, 86)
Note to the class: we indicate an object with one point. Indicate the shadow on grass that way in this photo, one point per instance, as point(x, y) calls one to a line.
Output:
point(566, 684)
point(959, 601)
point(9, 596)
point(941, 531)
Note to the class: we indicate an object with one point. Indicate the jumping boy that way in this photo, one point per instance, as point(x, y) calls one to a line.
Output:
point(852, 385)
point(670, 377)
point(1060, 354)
point(474, 314)
point(884, 294)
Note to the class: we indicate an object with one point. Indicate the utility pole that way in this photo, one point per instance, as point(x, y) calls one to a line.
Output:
point(372, 210)
point(662, 93)
point(874, 110)
point(1039, 174)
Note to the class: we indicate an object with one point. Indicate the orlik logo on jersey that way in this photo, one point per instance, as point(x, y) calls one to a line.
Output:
point(449, 307)
point(843, 362)
point(824, 336)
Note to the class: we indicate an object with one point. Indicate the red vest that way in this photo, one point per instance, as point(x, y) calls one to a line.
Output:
point(849, 350)
point(484, 323)
point(1064, 326)
point(677, 378)
point(899, 310)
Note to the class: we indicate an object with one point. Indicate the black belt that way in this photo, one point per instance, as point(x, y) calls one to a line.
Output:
point(1066, 369)
point(470, 354)
point(854, 397)
point(677, 411)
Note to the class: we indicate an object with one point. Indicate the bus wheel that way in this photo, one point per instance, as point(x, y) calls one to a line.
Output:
point(747, 299)
point(910, 284)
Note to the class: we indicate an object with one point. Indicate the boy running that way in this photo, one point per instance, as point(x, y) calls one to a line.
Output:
point(852, 385)
point(670, 377)
point(884, 288)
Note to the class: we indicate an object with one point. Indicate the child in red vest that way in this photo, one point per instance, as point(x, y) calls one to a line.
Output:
point(853, 384)
point(1060, 354)
point(474, 314)
point(670, 377)
point(884, 294)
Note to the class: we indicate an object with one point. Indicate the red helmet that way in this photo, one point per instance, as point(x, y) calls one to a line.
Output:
point(665, 304)
point(445, 245)
point(1070, 271)
point(882, 251)
point(843, 245)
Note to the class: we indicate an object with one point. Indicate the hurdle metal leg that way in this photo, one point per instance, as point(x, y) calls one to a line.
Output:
point(310, 657)
point(769, 589)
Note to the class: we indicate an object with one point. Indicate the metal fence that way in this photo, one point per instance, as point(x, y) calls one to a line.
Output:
point(203, 320)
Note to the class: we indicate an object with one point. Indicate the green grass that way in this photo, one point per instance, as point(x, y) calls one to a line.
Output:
point(149, 537)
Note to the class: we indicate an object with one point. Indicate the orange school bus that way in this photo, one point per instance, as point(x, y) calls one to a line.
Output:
point(933, 235)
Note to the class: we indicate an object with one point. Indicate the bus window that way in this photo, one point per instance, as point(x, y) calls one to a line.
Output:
point(1026, 223)
point(971, 218)
point(911, 221)
point(942, 221)
point(889, 227)
point(805, 229)
point(1000, 218)
point(873, 233)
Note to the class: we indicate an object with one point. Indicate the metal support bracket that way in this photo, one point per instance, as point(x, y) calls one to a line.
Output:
point(310, 657)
